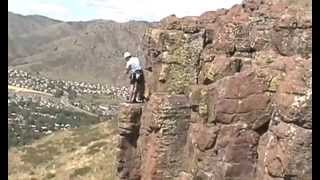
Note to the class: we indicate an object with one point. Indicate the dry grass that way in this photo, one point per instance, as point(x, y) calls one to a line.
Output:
point(85, 153)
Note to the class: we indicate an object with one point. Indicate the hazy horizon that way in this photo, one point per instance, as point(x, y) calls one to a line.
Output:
point(116, 10)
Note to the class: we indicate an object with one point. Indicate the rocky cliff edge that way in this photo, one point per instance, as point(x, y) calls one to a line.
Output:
point(229, 97)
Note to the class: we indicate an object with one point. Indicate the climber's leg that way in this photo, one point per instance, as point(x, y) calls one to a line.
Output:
point(140, 90)
point(134, 92)
point(131, 90)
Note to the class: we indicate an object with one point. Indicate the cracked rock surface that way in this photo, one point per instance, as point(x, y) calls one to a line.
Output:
point(229, 97)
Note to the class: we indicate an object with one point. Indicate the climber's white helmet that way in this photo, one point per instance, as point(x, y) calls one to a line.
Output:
point(126, 55)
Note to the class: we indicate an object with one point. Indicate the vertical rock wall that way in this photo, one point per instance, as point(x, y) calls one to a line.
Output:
point(229, 97)
point(128, 157)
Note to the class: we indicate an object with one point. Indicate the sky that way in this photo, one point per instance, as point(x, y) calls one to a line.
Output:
point(117, 10)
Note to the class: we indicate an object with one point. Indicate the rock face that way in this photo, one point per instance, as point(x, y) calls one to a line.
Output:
point(128, 157)
point(229, 97)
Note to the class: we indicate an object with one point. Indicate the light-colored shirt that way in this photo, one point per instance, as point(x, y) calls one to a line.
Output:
point(133, 64)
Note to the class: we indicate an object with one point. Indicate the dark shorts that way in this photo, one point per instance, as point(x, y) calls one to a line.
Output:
point(133, 77)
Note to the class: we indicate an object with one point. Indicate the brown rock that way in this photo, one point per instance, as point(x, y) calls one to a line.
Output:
point(128, 157)
point(230, 97)
point(220, 67)
point(170, 113)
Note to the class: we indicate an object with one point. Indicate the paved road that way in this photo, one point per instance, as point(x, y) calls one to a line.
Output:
point(19, 89)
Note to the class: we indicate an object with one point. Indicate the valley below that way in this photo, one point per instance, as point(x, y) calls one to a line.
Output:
point(61, 129)
point(38, 106)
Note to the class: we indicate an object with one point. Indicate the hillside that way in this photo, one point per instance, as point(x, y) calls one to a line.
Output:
point(81, 51)
point(38, 106)
point(67, 155)
point(19, 25)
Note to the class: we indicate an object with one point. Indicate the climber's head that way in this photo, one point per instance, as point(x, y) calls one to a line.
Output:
point(126, 56)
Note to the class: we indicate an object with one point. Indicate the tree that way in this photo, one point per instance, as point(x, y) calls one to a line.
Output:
point(58, 93)
point(72, 94)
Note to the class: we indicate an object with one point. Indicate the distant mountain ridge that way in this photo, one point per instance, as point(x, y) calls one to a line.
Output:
point(19, 24)
point(87, 50)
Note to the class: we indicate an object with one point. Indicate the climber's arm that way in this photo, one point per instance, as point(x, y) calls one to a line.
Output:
point(128, 67)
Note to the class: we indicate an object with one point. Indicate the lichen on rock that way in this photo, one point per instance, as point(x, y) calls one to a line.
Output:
point(230, 96)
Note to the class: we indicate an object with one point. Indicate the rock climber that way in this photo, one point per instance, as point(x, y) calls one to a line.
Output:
point(133, 67)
